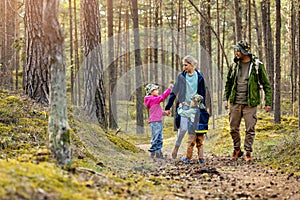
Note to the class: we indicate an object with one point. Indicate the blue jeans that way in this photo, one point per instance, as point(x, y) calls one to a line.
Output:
point(157, 139)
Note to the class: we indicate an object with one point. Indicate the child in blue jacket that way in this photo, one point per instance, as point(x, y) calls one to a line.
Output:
point(197, 126)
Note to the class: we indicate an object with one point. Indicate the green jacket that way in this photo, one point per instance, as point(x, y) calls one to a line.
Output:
point(257, 78)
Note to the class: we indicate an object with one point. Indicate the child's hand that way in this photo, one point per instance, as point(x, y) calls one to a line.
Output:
point(185, 103)
point(171, 86)
point(180, 105)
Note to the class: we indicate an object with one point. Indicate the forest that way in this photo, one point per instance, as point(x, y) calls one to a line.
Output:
point(73, 122)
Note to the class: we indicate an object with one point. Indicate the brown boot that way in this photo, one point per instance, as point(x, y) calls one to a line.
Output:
point(175, 151)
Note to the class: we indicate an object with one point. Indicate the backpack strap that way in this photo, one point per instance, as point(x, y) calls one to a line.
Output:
point(257, 63)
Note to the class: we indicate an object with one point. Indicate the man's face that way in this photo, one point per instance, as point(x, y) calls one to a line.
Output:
point(238, 54)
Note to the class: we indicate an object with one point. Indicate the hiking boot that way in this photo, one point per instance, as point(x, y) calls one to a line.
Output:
point(237, 154)
point(248, 156)
point(201, 161)
point(174, 152)
point(185, 160)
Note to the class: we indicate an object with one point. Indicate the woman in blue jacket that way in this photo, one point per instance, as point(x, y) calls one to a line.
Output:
point(190, 81)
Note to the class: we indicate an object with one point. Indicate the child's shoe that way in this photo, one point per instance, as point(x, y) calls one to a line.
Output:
point(152, 154)
point(185, 160)
point(201, 161)
point(159, 154)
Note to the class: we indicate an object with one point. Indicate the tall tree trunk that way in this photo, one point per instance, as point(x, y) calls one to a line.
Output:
point(59, 130)
point(71, 50)
point(258, 32)
point(112, 67)
point(219, 74)
point(249, 21)
point(76, 64)
point(268, 44)
point(178, 17)
point(94, 97)
point(293, 56)
point(138, 63)
point(2, 41)
point(298, 24)
point(277, 78)
point(36, 69)
point(238, 21)
point(155, 38)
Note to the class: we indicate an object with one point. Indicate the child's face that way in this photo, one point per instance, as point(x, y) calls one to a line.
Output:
point(193, 103)
point(155, 92)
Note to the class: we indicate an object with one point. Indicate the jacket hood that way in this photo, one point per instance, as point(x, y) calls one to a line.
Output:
point(147, 101)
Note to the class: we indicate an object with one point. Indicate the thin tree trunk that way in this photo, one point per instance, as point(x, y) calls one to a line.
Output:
point(71, 51)
point(59, 130)
point(249, 21)
point(76, 64)
point(138, 77)
point(112, 67)
point(238, 21)
point(155, 38)
point(298, 65)
point(277, 78)
point(258, 32)
point(293, 57)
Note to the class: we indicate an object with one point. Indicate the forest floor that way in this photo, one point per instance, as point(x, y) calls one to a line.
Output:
point(118, 166)
point(222, 177)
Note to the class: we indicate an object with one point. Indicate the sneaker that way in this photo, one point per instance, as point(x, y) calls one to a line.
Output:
point(237, 153)
point(152, 154)
point(201, 161)
point(185, 160)
point(159, 154)
point(248, 156)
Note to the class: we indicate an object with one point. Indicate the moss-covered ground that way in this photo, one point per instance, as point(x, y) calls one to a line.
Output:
point(109, 165)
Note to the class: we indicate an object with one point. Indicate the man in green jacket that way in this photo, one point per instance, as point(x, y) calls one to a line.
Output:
point(246, 76)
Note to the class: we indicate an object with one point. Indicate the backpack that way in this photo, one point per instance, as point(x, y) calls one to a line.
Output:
point(202, 126)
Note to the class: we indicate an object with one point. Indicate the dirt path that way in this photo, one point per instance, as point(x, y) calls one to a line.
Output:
point(225, 178)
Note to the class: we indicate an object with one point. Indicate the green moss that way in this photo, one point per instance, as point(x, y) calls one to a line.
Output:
point(28, 180)
point(123, 144)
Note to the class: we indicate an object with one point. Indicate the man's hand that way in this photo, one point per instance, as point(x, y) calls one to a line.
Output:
point(267, 108)
point(225, 105)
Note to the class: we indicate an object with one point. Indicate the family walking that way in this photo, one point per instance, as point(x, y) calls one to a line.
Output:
point(246, 76)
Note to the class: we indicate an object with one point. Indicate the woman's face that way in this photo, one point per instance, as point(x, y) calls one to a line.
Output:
point(188, 67)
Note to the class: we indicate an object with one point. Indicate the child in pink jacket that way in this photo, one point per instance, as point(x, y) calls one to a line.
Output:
point(152, 101)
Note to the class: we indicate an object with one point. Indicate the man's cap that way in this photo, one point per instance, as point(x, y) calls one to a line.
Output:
point(243, 47)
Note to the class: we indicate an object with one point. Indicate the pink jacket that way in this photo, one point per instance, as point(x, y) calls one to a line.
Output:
point(153, 104)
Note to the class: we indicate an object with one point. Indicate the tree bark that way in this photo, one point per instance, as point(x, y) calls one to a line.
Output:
point(71, 50)
point(36, 70)
point(277, 79)
point(59, 130)
point(112, 67)
point(138, 76)
point(258, 32)
point(94, 91)
point(238, 22)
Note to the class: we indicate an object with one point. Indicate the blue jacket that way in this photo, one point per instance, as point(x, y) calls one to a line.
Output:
point(180, 90)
